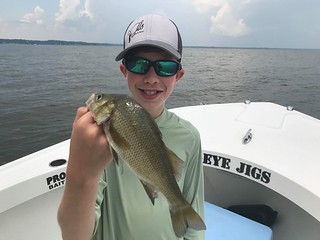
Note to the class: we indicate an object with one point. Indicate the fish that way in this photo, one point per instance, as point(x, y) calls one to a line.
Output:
point(135, 138)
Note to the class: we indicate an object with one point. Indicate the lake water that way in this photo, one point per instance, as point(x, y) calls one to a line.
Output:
point(42, 86)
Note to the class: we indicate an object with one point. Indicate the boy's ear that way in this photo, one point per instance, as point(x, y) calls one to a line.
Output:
point(123, 70)
point(179, 74)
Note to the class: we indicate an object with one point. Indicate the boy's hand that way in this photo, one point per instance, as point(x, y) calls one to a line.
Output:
point(89, 148)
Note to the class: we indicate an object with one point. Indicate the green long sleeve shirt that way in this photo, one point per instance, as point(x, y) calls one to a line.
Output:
point(123, 209)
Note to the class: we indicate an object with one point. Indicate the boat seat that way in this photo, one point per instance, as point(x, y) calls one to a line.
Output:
point(260, 213)
point(223, 224)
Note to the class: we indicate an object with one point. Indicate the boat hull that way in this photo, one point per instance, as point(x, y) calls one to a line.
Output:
point(225, 189)
point(278, 166)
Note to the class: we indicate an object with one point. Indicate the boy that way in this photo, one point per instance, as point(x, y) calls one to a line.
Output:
point(105, 201)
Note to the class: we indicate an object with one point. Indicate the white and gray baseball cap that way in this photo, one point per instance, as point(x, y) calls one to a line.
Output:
point(152, 30)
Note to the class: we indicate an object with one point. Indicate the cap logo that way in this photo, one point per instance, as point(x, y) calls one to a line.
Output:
point(137, 28)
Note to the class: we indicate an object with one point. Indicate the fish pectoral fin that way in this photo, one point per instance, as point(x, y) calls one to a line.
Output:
point(176, 163)
point(152, 194)
point(115, 156)
point(117, 138)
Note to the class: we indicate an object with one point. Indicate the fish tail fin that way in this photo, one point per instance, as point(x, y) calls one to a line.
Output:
point(183, 217)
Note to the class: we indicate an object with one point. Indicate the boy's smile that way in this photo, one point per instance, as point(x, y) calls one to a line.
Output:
point(150, 94)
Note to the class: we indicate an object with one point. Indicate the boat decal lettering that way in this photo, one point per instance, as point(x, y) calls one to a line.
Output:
point(217, 161)
point(56, 180)
point(237, 167)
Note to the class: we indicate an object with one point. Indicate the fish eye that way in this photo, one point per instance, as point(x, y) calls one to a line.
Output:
point(99, 97)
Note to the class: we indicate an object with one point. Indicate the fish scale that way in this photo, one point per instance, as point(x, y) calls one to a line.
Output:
point(138, 141)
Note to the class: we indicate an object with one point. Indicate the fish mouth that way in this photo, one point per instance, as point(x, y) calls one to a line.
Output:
point(90, 100)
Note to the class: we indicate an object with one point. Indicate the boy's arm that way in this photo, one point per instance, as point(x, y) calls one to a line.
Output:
point(76, 212)
point(194, 189)
point(89, 155)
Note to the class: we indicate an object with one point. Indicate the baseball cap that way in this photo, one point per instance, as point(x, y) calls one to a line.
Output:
point(152, 30)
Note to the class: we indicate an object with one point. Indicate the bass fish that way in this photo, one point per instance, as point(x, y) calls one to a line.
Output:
point(136, 139)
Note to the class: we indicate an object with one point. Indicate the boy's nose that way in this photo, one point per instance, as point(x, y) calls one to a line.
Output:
point(151, 76)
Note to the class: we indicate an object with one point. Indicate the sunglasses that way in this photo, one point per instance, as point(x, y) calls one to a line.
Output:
point(163, 68)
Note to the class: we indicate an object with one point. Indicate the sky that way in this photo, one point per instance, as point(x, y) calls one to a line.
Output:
point(218, 23)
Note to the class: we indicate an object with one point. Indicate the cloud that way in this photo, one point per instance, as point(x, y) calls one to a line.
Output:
point(87, 11)
point(226, 23)
point(34, 17)
point(69, 12)
point(226, 16)
point(206, 5)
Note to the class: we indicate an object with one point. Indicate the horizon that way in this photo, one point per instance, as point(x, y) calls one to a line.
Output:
point(120, 44)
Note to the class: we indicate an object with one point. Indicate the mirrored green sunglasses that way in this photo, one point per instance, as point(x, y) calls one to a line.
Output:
point(163, 68)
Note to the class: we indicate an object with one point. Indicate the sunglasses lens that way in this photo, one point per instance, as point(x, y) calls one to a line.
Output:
point(167, 68)
point(141, 66)
point(137, 65)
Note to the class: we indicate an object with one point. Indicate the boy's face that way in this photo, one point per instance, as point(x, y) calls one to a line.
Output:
point(151, 90)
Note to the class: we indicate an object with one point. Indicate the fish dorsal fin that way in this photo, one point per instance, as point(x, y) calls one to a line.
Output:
point(176, 163)
point(152, 194)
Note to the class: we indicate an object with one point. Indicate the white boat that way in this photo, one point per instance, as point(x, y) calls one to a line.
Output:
point(261, 160)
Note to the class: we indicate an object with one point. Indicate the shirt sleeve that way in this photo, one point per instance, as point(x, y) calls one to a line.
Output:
point(193, 188)
point(99, 200)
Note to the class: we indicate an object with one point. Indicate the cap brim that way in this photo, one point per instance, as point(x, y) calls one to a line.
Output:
point(166, 47)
